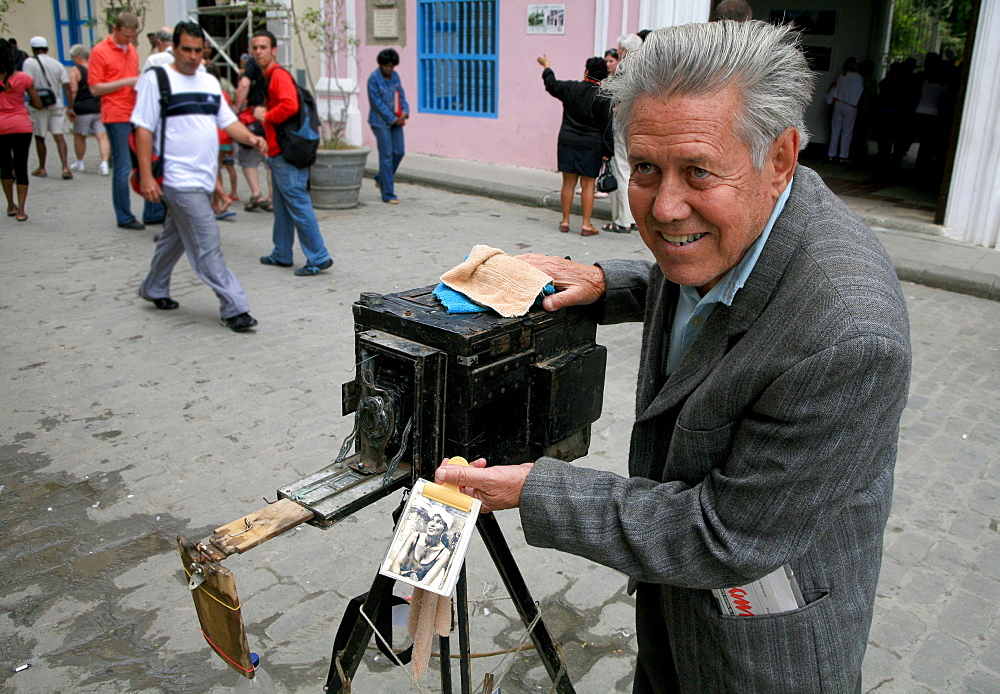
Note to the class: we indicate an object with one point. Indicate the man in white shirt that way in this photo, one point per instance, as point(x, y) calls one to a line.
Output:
point(49, 73)
point(164, 49)
point(195, 112)
point(844, 94)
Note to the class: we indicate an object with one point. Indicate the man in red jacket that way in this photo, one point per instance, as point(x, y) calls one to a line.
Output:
point(114, 70)
point(292, 207)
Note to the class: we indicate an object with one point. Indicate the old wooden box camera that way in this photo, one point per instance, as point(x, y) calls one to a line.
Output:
point(431, 385)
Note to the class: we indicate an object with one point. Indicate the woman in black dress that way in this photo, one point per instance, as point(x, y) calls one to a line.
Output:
point(585, 138)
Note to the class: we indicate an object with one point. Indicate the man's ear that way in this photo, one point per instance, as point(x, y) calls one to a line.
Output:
point(784, 155)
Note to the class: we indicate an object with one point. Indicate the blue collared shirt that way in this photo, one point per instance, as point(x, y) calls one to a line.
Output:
point(693, 310)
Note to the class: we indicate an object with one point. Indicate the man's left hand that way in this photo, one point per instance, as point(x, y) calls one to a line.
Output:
point(497, 487)
point(259, 112)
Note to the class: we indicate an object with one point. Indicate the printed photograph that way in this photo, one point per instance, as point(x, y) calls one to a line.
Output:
point(430, 542)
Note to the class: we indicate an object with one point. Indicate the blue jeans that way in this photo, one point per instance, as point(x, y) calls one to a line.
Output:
point(390, 152)
point(293, 211)
point(122, 167)
point(153, 212)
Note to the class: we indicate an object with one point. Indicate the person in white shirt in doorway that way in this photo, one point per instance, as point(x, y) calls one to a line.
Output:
point(195, 112)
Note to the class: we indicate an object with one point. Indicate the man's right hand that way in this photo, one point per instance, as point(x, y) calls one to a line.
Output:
point(576, 284)
point(149, 188)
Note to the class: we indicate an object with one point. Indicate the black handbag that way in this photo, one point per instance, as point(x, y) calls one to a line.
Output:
point(606, 181)
point(45, 94)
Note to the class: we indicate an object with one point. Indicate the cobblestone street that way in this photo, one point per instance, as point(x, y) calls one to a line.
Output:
point(125, 426)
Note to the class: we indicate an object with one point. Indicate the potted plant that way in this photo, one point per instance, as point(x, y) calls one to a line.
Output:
point(335, 179)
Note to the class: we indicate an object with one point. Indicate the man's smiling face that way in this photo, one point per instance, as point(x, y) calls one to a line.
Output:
point(697, 200)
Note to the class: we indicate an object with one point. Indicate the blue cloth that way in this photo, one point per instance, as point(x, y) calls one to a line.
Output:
point(153, 212)
point(121, 168)
point(456, 302)
point(293, 211)
point(693, 310)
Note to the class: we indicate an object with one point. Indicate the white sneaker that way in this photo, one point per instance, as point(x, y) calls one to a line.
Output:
point(103, 168)
point(77, 165)
point(600, 195)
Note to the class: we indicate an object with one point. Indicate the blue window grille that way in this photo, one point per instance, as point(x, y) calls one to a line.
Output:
point(74, 24)
point(457, 57)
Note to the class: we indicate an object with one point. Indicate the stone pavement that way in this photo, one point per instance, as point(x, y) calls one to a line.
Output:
point(125, 426)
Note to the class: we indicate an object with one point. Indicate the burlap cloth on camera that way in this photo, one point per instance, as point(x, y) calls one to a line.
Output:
point(492, 278)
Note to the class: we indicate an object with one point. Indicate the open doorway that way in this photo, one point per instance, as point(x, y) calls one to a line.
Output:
point(906, 126)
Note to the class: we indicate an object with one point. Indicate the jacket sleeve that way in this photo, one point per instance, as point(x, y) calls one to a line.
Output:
point(809, 448)
point(626, 283)
point(553, 86)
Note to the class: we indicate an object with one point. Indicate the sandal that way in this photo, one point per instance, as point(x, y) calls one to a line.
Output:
point(67, 175)
point(564, 227)
point(267, 206)
point(616, 228)
point(589, 231)
point(41, 173)
point(254, 202)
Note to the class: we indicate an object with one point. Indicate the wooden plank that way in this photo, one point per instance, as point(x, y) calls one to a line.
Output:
point(249, 531)
point(218, 607)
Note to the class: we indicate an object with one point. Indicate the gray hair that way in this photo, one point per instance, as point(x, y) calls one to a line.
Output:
point(762, 61)
point(164, 35)
point(78, 50)
point(629, 42)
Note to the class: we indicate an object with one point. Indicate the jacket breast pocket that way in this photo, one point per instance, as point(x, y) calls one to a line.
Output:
point(694, 452)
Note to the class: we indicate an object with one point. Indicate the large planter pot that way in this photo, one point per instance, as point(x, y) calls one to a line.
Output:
point(335, 178)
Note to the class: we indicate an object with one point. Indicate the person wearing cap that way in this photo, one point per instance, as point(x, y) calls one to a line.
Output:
point(114, 70)
point(163, 49)
point(47, 72)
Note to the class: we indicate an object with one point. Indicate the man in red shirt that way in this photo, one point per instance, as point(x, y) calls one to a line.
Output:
point(114, 70)
point(292, 207)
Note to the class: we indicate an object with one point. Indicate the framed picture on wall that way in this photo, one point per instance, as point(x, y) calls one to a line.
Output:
point(819, 57)
point(547, 19)
point(816, 22)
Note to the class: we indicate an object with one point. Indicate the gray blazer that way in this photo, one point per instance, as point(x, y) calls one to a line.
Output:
point(773, 442)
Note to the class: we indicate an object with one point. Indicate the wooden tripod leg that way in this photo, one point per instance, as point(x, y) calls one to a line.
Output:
point(350, 658)
point(496, 544)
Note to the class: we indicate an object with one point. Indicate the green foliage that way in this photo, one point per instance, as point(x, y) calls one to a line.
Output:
point(327, 31)
point(5, 6)
point(921, 26)
point(112, 8)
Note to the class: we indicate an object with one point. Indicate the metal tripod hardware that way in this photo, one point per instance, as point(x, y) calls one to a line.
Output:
point(344, 663)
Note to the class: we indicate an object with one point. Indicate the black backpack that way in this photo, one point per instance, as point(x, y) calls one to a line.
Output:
point(298, 136)
point(164, 84)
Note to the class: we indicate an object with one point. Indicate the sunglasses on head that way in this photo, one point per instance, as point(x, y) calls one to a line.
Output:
point(613, 52)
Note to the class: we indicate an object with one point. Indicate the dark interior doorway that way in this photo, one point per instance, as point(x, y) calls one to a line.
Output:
point(907, 122)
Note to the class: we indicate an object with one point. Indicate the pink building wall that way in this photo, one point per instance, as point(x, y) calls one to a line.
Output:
point(525, 131)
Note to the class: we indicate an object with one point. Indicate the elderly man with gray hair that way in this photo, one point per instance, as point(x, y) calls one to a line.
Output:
point(774, 369)
point(87, 109)
point(163, 42)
